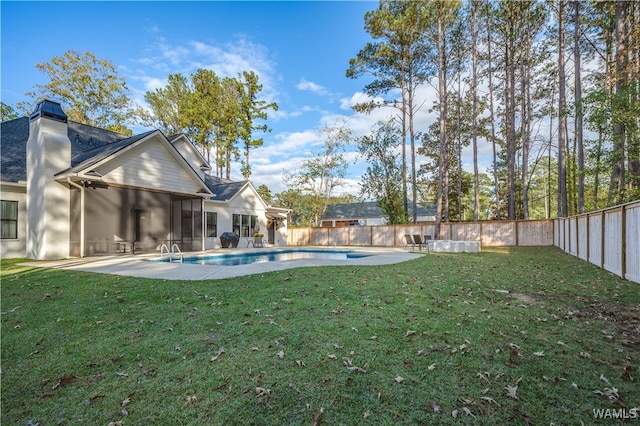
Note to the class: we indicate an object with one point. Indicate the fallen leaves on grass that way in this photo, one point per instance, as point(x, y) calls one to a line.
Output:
point(465, 411)
point(611, 394)
point(489, 400)
point(220, 352)
point(483, 379)
point(348, 363)
point(511, 390)
point(65, 380)
point(316, 416)
point(190, 400)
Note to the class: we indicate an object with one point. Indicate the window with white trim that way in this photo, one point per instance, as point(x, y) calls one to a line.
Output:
point(9, 220)
point(211, 221)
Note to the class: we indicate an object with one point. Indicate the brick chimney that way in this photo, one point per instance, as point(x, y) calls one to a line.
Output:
point(48, 201)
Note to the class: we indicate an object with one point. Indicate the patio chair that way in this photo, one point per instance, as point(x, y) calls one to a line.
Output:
point(427, 241)
point(409, 239)
point(419, 241)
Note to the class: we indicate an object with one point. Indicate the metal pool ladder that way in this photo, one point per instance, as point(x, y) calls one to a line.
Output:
point(175, 250)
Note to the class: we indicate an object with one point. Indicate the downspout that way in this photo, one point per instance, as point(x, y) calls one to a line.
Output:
point(81, 189)
point(202, 224)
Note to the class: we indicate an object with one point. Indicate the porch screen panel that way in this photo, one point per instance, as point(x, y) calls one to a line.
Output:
point(187, 223)
point(197, 219)
point(176, 221)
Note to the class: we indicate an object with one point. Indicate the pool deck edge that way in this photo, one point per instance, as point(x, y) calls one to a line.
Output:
point(141, 266)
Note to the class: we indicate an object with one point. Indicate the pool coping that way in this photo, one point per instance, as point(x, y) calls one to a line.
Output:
point(141, 267)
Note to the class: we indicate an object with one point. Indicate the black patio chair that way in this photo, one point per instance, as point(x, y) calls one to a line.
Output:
point(427, 242)
point(409, 239)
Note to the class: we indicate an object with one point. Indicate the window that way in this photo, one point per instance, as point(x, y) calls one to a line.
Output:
point(9, 220)
point(211, 224)
point(244, 224)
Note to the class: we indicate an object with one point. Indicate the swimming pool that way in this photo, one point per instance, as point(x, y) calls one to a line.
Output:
point(263, 257)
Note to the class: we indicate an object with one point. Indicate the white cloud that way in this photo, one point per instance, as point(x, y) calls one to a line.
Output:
point(226, 59)
point(311, 87)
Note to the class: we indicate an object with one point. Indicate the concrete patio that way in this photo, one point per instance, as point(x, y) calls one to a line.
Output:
point(142, 266)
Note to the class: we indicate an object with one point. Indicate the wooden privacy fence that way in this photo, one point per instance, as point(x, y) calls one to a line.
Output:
point(490, 234)
point(608, 238)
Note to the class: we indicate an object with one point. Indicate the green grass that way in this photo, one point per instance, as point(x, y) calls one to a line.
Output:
point(402, 344)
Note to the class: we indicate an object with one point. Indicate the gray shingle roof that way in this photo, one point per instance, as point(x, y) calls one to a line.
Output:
point(366, 210)
point(223, 189)
point(86, 142)
point(89, 145)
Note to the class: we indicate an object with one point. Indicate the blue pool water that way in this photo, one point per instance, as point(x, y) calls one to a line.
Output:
point(261, 257)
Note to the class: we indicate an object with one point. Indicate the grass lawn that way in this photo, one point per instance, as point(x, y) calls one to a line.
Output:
point(513, 335)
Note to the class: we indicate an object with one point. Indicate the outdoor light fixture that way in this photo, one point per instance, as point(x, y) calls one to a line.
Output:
point(95, 184)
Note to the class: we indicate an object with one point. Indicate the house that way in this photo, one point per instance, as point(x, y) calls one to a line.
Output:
point(69, 189)
point(366, 214)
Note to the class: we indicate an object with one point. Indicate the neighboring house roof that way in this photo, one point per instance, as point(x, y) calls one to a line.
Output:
point(365, 210)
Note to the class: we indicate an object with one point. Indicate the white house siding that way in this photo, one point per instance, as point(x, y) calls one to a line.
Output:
point(248, 202)
point(18, 247)
point(190, 154)
point(150, 165)
point(223, 224)
point(245, 202)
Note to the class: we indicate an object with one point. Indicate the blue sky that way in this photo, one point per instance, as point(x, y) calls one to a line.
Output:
point(299, 49)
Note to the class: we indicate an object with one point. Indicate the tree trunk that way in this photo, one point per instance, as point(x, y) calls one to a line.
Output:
point(412, 137)
point(443, 161)
point(578, 101)
point(474, 113)
point(459, 144)
point(492, 116)
point(511, 122)
point(618, 177)
point(562, 123)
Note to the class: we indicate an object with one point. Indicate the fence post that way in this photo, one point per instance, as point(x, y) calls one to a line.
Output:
point(602, 234)
point(588, 230)
point(623, 243)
